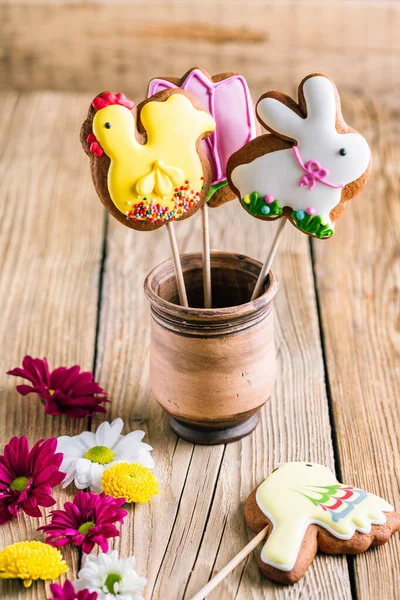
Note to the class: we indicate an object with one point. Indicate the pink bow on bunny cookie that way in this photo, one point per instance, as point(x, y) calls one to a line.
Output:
point(313, 172)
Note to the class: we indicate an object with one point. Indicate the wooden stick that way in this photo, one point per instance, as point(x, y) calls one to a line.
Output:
point(177, 265)
point(206, 258)
point(269, 260)
point(212, 584)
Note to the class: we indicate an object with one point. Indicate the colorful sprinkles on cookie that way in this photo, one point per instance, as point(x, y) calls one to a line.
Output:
point(184, 198)
point(309, 164)
point(150, 169)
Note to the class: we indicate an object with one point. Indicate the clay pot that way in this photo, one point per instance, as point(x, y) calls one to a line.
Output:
point(212, 369)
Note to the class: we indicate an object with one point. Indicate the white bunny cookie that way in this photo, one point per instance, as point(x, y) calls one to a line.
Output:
point(309, 164)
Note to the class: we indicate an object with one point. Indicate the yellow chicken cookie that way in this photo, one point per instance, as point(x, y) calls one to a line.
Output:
point(148, 168)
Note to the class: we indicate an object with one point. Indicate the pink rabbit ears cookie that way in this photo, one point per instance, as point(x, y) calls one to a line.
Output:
point(227, 98)
point(308, 166)
point(308, 509)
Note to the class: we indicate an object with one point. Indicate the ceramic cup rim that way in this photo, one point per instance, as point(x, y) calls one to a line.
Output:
point(246, 308)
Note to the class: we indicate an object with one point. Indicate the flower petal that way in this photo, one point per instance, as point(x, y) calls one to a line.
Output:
point(83, 465)
point(77, 445)
point(107, 434)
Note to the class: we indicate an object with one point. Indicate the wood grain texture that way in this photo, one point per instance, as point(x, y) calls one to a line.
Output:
point(50, 248)
point(121, 45)
point(51, 266)
point(362, 335)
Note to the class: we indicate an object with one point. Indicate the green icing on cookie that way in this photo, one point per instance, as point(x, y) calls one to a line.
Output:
point(257, 207)
point(312, 225)
point(214, 188)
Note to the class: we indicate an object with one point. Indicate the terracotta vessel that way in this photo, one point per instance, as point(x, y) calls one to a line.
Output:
point(212, 369)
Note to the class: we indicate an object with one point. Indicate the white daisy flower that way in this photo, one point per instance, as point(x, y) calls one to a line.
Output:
point(111, 577)
point(88, 455)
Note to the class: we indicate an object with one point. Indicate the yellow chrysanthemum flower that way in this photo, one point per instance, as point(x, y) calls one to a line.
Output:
point(131, 481)
point(30, 561)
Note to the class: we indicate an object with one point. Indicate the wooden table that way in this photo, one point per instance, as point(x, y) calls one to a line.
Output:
point(71, 289)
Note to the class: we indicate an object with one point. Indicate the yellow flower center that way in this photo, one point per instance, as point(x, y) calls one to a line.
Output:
point(84, 528)
point(100, 454)
point(111, 579)
point(19, 484)
point(51, 392)
point(30, 561)
point(131, 481)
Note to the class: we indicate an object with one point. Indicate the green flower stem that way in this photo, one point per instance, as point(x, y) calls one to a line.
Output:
point(214, 188)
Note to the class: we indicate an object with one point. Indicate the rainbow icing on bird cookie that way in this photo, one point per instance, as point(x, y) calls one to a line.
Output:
point(309, 509)
point(227, 98)
point(308, 166)
point(148, 168)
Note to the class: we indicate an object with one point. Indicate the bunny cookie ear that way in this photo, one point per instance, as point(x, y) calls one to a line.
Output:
point(278, 118)
point(321, 100)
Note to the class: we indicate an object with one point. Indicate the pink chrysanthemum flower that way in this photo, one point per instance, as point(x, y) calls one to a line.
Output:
point(86, 521)
point(68, 592)
point(63, 391)
point(28, 476)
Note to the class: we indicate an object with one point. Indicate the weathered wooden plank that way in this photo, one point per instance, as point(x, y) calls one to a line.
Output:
point(358, 279)
point(196, 523)
point(50, 247)
point(121, 45)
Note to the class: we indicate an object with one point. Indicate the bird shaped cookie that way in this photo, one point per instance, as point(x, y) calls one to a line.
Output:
point(309, 510)
point(148, 165)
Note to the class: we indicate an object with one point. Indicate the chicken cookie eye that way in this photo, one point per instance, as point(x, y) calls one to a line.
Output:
point(308, 465)
point(107, 125)
point(342, 151)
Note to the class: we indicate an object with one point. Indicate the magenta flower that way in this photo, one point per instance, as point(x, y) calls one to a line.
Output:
point(28, 476)
point(86, 521)
point(63, 391)
point(68, 592)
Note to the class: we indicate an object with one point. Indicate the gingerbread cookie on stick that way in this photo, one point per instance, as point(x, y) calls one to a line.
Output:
point(148, 165)
point(309, 510)
point(308, 166)
point(302, 508)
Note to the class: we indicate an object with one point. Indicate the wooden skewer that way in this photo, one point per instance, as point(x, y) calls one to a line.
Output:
point(206, 258)
point(177, 265)
point(269, 260)
point(212, 584)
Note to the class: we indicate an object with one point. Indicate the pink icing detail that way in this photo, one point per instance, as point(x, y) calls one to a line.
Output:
point(314, 173)
point(311, 211)
point(94, 145)
point(109, 98)
point(269, 199)
point(229, 102)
